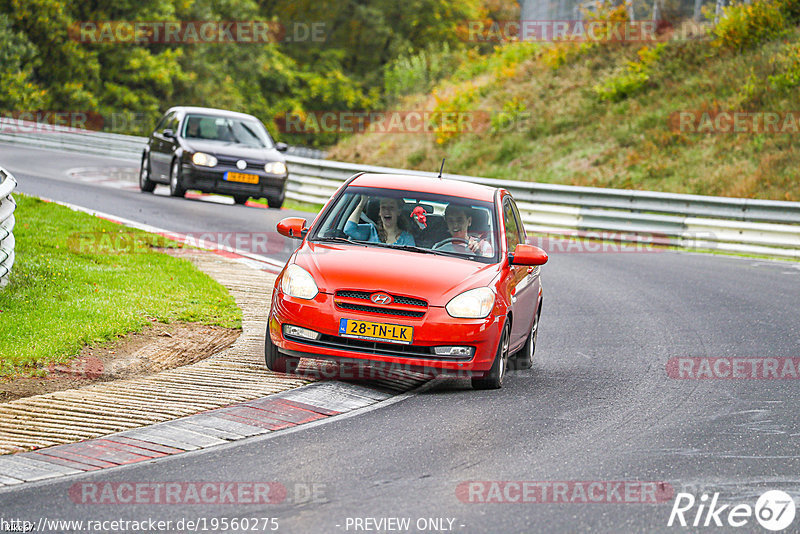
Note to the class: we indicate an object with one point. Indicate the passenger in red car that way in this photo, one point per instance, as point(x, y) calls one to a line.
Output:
point(391, 227)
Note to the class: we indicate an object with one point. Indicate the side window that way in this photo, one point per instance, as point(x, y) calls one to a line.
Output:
point(512, 227)
point(162, 123)
point(173, 122)
point(523, 235)
point(514, 231)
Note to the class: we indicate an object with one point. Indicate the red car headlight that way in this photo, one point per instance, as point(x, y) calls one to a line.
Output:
point(473, 304)
point(296, 282)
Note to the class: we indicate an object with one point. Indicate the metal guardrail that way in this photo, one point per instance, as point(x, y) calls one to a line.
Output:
point(689, 221)
point(7, 207)
point(96, 143)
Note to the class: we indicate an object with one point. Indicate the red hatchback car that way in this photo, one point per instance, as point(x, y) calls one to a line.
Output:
point(413, 272)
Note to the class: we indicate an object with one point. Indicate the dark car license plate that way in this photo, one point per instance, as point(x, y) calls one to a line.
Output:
point(241, 177)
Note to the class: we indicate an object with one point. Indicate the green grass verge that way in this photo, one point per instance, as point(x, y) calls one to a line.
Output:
point(62, 297)
point(296, 205)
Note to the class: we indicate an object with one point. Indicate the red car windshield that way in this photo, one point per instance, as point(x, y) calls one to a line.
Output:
point(412, 220)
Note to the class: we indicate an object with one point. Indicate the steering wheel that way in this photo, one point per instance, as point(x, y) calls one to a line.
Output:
point(449, 240)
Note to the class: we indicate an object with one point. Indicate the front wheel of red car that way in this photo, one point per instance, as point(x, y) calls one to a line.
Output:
point(277, 362)
point(494, 378)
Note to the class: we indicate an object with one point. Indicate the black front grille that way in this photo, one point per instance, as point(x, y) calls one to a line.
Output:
point(364, 295)
point(409, 301)
point(232, 162)
point(382, 311)
point(353, 294)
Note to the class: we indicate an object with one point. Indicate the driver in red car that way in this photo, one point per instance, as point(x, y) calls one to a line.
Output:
point(458, 220)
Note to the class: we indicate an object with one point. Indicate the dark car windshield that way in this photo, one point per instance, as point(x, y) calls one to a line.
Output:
point(227, 130)
point(413, 221)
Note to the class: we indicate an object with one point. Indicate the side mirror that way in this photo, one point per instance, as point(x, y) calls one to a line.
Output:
point(527, 255)
point(294, 227)
point(169, 134)
point(281, 147)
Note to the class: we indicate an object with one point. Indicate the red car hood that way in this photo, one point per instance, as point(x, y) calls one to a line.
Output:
point(434, 278)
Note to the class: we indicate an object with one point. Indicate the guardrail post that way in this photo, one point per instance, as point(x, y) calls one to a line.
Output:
point(7, 207)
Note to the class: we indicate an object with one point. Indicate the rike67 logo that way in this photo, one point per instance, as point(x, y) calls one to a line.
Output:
point(774, 511)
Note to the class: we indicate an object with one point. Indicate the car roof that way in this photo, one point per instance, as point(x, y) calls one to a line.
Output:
point(211, 111)
point(440, 186)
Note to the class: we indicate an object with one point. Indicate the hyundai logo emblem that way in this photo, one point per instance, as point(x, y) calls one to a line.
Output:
point(241, 164)
point(381, 298)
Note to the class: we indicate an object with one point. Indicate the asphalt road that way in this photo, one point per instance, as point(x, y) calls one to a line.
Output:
point(57, 176)
point(598, 406)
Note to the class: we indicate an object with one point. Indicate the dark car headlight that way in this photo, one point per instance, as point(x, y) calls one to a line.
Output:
point(204, 160)
point(275, 167)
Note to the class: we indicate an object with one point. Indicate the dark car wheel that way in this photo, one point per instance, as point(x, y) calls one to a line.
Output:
point(524, 358)
point(176, 188)
point(275, 202)
point(240, 199)
point(145, 183)
point(494, 378)
point(275, 360)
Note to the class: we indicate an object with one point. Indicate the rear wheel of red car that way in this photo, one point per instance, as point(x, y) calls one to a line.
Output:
point(524, 358)
point(494, 378)
point(275, 360)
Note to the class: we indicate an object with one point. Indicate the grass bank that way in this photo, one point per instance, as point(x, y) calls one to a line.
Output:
point(73, 284)
point(604, 115)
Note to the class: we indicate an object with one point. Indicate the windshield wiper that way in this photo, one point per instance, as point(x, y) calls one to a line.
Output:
point(338, 239)
point(414, 248)
point(233, 134)
point(247, 129)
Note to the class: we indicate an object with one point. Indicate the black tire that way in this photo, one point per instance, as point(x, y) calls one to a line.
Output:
point(275, 202)
point(146, 185)
point(240, 199)
point(277, 362)
point(176, 188)
point(524, 358)
point(494, 378)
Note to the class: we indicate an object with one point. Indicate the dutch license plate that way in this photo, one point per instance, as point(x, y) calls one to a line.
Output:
point(392, 333)
point(241, 177)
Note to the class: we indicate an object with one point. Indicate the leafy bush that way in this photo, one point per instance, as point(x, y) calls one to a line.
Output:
point(745, 25)
point(563, 53)
point(418, 72)
point(787, 65)
point(773, 80)
point(461, 101)
point(626, 82)
point(17, 58)
point(514, 112)
point(501, 63)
